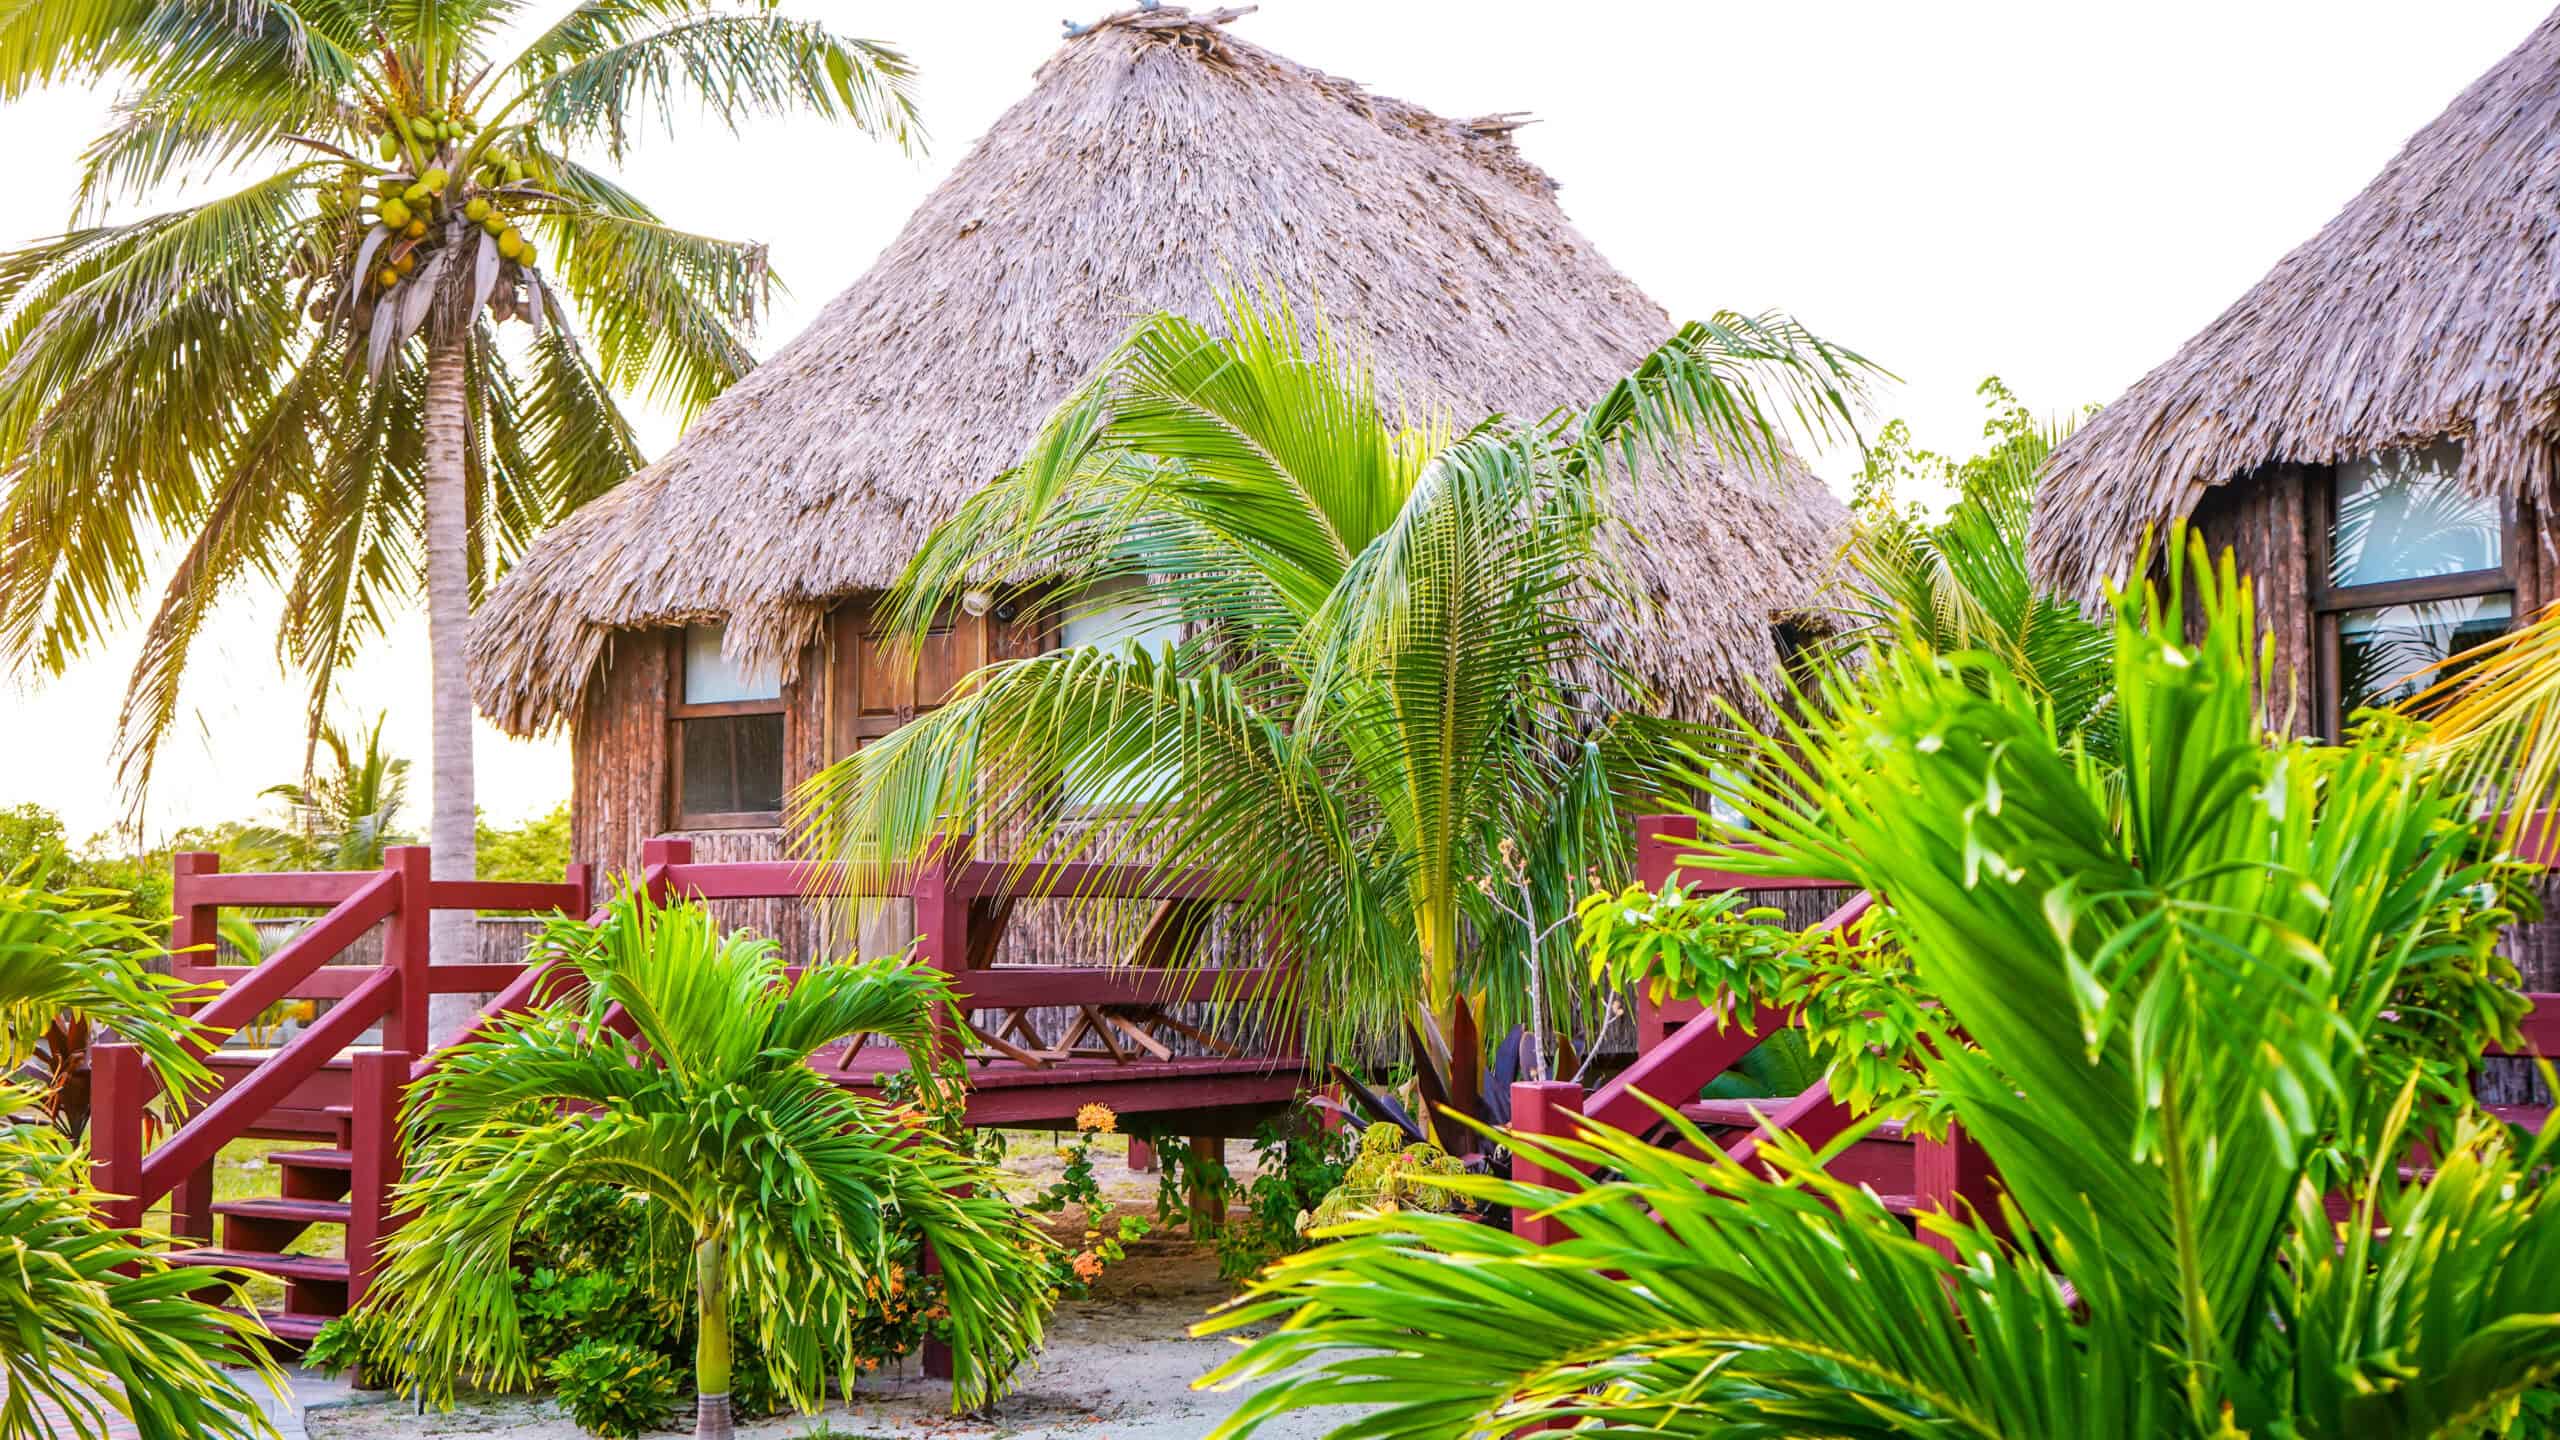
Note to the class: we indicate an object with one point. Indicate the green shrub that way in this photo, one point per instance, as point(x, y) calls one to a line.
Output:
point(1387, 1175)
point(339, 1347)
point(615, 1389)
point(1299, 1164)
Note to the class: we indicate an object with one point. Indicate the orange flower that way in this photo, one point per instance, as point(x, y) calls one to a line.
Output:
point(1097, 1118)
point(1088, 1266)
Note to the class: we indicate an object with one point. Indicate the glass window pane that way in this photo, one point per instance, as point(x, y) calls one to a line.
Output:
point(711, 677)
point(2401, 516)
point(732, 764)
point(1124, 626)
point(2381, 651)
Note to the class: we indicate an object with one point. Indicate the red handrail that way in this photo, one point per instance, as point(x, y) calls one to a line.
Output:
point(329, 936)
point(236, 1109)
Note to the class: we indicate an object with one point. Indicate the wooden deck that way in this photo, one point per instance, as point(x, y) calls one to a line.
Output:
point(1041, 1042)
point(1189, 1094)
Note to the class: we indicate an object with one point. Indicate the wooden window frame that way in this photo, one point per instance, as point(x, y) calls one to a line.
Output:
point(678, 712)
point(2327, 602)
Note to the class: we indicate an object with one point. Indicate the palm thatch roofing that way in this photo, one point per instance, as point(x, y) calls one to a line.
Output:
point(2429, 308)
point(1157, 162)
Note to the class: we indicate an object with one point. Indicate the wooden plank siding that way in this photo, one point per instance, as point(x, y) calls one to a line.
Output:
point(2268, 521)
point(2264, 522)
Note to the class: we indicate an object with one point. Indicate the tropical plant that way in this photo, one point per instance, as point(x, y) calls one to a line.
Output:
point(2493, 721)
point(770, 1192)
point(1960, 582)
point(95, 1329)
point(2174, 1016)
point(302, 380)
point(1386, 668)
point(72, 961)
point(343, 818)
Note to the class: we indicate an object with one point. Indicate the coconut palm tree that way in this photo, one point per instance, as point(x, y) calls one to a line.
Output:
point(2182, 1014)
point(94, 1327)
point(783, 1196)
point(1387, 674)
point(302, 380)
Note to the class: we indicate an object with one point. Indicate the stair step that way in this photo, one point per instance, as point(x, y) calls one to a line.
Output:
point(314, 1159)
point(289, 1326)
point(289, 1267)
point(309, 1212)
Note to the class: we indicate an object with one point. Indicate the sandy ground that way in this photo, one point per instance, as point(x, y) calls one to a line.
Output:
point(1118, 1366)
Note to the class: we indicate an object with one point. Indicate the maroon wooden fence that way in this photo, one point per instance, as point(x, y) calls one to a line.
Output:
point(324, 1082)
point(1681, 1048)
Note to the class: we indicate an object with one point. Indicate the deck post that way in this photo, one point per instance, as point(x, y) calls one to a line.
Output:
point(1206, 1192)
point(1945, 1172)
point(380, 1081)
point(191, 1206)
point(658, 852)
point(582, 878)
point(1658, 851)
point(1546, 1109)
point(937, 1351)
point(942, 923)
point(119, 1089)
point(405, 947)
point(1142, 1156)
point(192, 925)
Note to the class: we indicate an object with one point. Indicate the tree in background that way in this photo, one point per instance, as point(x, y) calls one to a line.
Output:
point(1388, 680)
point(343, 818)
point(301, 380)
point(2198, 1011)
point(538, 849)
point(1960, 581)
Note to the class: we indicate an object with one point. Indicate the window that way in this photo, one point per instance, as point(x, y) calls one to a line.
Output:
point(2413, 569)
point(1126, 624)
point(728, 738)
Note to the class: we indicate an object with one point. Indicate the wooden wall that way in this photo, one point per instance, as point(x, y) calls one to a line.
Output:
point(845, 694)
point(2266, 521)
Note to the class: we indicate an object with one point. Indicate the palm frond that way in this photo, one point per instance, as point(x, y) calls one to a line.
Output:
point(600, 73)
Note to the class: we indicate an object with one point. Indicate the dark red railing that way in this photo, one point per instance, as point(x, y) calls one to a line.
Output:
point(962, 905)
point(1680, 1048)
point(961, 902)
point(393, 994)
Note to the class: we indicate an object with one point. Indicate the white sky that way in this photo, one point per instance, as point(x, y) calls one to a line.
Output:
point(2058, 193)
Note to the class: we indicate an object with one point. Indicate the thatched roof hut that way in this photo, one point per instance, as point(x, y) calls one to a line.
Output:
point(1157, 159)
point(2429, 309)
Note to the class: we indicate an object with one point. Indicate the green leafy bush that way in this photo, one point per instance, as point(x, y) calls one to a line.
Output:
point(1388, 1175)
point(615, 1389)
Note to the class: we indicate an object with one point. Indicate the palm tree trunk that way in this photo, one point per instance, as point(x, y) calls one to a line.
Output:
point(711, 1341)
point(453, 933)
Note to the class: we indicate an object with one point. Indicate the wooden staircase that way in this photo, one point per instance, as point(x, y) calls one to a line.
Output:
point(336, 1088)
point(314, 1187)
point(1680, 1049)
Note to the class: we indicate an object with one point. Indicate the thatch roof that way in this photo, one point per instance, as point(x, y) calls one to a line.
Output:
point(2430, 307)
point(1157, 161)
